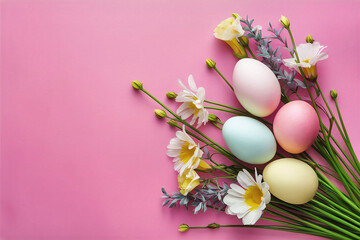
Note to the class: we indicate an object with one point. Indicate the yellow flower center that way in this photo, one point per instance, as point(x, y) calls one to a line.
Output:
point(253, 197)
point(186, 153)
point(193, 107)
point(306, 60)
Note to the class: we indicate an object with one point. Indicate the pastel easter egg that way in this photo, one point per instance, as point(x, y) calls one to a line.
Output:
point(249, 140)
point(256, 87)
point(291, 180)
point(296, 126)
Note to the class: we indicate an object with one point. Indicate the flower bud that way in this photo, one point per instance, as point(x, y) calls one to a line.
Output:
point(333, 94)
point(235, 15)
point(213, 225)
point(137, 85)
point(171, 95)
point(285, 22)
point(213, 118)
point(210, 63)
point(244, 41)
point(309, 39)
point(172, 123)
point(183, 228)
point(160, 113)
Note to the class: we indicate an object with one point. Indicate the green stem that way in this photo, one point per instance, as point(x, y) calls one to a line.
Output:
point(215, 68)
point(225, 106)
point(240, 114)
point(252, 54)
point(346, 135)
point(227, 177)
point(336, 212)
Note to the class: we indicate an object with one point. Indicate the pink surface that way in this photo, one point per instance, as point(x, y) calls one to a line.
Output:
point(82, 156)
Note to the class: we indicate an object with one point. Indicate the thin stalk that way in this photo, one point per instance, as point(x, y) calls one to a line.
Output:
point(342, 130)
point(215, 68)
point(226, 106)
point(322, 220)
point(310, 224)
point(252, 54)
point(346, 135)
point(240, 114)
point(338, 213)
point(339, 207)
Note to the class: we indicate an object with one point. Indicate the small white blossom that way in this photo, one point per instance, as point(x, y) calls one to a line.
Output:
point(186, 153)
point(193, 103)
point(309, 55)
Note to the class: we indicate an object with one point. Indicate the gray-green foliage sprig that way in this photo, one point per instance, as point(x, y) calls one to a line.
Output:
point(209, 196)
point(271, 57)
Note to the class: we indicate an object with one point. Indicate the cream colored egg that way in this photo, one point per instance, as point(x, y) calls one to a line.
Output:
point(291, 180)
point(256, 87)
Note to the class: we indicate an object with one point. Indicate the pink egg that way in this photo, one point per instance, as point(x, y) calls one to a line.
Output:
point(296, 126)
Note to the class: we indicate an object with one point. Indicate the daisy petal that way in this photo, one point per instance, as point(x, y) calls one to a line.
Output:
point(252, 217)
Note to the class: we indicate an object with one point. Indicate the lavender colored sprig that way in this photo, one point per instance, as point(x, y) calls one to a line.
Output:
point(200, 198)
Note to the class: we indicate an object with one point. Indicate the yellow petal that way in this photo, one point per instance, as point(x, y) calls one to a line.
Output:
point(203, 166)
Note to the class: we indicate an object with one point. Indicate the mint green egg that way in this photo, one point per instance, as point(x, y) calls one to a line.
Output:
point(249, 140)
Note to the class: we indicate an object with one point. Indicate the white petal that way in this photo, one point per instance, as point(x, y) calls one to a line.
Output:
point(192, 83)
point(201, 94)
point(237, 188)
point(231, 200)
point(193, 120)
point(241, 215)
point(173, 152)
point(234, 193)
point(182, 108)
point(181, 84)
point(229, 212)
point(239, 208)
point(186, 114)
point(252, 217)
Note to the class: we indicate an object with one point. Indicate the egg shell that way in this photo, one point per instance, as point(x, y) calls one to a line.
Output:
point(296, 126)
point(291, 180)
point(256, 87)
point(249, 140)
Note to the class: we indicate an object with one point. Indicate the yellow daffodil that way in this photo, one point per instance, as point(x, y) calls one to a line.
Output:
point(188, 181)
point(229, 31)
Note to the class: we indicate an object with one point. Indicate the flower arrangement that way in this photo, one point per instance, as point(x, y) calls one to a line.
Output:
point(294, 189)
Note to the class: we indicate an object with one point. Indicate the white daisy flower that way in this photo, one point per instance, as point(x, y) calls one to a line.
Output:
point(248, 200)
point(309, 55)
point(186, 153)
point(193, 103)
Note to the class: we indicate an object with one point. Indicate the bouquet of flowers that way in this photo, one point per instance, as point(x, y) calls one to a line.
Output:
point(292, 184)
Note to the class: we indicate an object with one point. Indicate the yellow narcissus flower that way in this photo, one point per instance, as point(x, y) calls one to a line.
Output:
point(193, 103)
point(309, 55)
point(188, 181)
point(229, 31)
point(248, 200)
point(186, 153)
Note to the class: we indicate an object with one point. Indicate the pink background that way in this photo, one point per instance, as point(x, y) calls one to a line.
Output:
point(82, 155)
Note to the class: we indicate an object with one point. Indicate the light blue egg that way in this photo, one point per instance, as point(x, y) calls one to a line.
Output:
point(249, 140)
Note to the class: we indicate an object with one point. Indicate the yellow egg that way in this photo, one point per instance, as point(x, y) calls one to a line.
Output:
point(291, 180)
